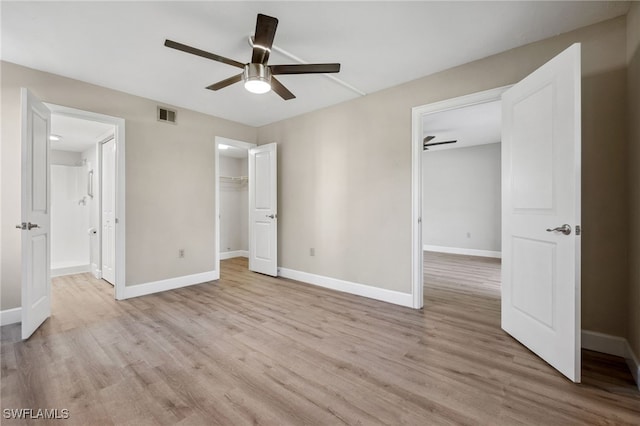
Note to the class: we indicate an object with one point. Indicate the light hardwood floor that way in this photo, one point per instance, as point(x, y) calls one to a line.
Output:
point(252, 349)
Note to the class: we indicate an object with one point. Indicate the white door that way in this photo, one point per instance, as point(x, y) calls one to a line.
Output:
point(36, 214)
point(263, 210)
point(108, 202)
point(541, 212)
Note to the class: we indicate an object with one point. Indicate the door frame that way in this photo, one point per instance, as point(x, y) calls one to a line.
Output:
point(417, 256)
point(238, 144)
point(119, 135)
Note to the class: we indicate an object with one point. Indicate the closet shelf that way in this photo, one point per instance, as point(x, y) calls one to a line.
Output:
point(238, 179)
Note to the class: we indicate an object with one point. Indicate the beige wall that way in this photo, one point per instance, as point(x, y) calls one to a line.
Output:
point(633, 93)
point(345, 173)
point(169, 177)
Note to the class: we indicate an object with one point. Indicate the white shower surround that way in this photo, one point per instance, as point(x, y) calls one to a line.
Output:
point(70, 208)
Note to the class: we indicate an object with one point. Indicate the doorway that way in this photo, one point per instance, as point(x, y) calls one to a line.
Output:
point(232, 199)
point(75, 194)
point(444, 134)
point(461, 180)
point(90, 179)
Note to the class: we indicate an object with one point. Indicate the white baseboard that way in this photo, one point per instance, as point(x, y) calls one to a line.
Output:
point(390, 296)
point(612, 345)
point(70, 270)
point(605, 343)
point(466, 251)
point(10, 316)
point(169, 284)
point(231, 254)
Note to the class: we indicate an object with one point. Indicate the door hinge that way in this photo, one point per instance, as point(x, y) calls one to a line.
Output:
point(116, 220)
point(578, 230)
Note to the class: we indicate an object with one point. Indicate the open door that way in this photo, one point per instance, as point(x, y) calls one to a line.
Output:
point(541, 144)
point(36, 214)
point(263, 210)
point(108, 203)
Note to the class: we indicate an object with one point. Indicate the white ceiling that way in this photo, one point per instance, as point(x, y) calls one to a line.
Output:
point(472, 125)
point(379, 44)
point(77, 135)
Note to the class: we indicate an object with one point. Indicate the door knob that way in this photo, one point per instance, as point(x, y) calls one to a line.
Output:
point(32, 225)
point(565, 229)
point(271, 216)
point(23, 225)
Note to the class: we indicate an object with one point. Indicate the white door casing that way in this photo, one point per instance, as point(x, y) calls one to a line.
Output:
point(36, 213)
point(108, 201)
point(263, 210)
point(541, 146)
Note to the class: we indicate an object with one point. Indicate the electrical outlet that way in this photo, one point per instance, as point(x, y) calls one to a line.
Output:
point(312, 251)
point(181, 253)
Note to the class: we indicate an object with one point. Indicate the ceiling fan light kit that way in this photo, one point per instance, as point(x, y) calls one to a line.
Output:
point(257, 75)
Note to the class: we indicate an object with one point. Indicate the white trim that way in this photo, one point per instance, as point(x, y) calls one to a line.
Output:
point(169, 284)
point(612, 345)
point(232, 254)
point(70, 270)
point(10, 316)
point(605, 343)
point(230, 142)
point(466, 251)
point(417, 259)
point(390, 296)
point(119, 124)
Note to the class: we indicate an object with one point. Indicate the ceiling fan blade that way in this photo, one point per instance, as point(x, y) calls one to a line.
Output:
point(428, 139)
point(427, 145)
point(279, 88)
point(188, 49)
point(263, 40)
point(226, 82)
point(304, 69)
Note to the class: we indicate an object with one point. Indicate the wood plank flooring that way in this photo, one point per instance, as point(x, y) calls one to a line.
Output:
point(252, 349)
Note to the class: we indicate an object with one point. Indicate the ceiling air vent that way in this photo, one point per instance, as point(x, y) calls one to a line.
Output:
point(167, 115)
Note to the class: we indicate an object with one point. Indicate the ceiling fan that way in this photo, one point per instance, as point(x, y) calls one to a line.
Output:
point(259, 77)
point(427, 139)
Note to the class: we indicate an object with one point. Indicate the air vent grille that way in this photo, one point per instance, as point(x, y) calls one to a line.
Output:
point(167, 115)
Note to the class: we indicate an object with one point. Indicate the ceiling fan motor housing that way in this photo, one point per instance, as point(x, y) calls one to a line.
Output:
point(256, 73)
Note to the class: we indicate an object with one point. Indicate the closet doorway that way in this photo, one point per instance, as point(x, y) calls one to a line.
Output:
point(232, 199)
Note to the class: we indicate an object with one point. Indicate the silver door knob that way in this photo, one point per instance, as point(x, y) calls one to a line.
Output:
point(271, 216)
point(32, 225)
point(565, 229)
point(23, 225)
